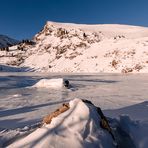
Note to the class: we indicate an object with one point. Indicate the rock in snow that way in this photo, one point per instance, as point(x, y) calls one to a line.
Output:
point(78, 127)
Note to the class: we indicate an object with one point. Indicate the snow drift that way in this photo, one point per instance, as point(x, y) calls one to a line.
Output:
point(78, 124)
point(52, 83)
point(78, 127)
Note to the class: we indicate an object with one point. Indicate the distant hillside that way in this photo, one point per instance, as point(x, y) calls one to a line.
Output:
point(6, 41)
point(63, 47)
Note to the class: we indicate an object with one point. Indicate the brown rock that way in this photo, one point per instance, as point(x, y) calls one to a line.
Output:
point(49, 117)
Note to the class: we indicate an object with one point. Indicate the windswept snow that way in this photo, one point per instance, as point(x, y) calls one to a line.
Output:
point(109, 30)
point(79, 127)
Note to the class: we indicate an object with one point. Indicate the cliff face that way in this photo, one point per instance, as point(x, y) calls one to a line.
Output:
point(63, 47)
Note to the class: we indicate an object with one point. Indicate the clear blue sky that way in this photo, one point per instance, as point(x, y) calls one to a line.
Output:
point(24, 18)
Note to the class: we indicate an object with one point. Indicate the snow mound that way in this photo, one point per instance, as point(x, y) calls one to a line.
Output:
point(52, 83)
point(78, 127)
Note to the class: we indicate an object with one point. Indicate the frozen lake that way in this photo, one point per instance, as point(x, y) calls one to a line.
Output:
point(22, 105)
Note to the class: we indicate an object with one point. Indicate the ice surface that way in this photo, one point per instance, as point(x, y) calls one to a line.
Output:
point(22, 106)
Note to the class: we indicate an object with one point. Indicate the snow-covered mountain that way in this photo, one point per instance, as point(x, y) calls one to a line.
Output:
point(63, 47)
point(5, 41)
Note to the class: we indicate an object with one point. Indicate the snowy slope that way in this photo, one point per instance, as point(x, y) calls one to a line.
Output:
point(6, 41)
point(89, 48)
point(63, 47)
point(12, 56)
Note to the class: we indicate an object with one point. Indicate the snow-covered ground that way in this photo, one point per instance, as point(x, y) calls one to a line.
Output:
point(23, 107)
point(25, 98)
